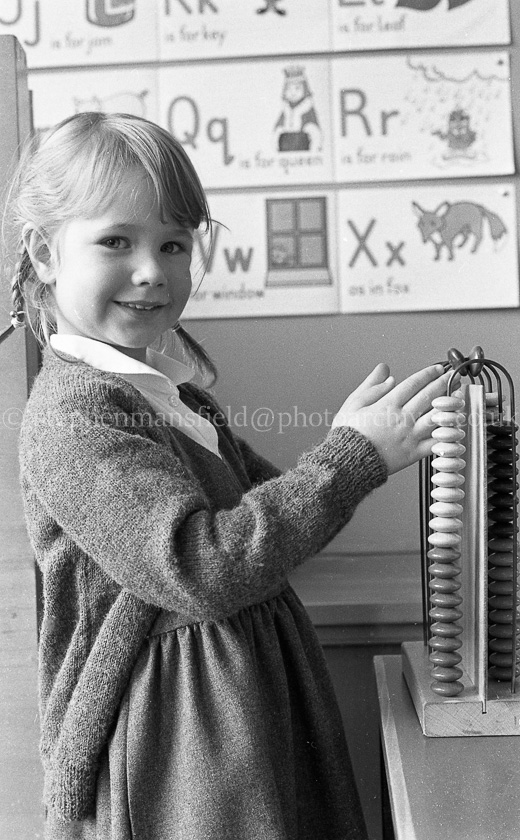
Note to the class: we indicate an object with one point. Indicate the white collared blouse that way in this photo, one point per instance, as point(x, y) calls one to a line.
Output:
point(157, 381)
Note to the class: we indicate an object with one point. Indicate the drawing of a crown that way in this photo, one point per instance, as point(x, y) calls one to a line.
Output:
point(294, 72)
point(459, 114)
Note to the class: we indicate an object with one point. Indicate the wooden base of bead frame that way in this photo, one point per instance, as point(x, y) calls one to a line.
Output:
point(485, 706)
point(448, 717)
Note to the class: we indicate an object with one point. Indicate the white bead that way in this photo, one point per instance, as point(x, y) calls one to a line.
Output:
point(452, 403)
point(448, 434)
point(444, 479)
point(448, 450)
point(443, 540)
point(448, 464)
point(448, 494)
point(446, 509)
point(446, 524)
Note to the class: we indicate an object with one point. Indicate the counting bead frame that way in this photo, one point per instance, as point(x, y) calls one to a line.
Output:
point(463, 678)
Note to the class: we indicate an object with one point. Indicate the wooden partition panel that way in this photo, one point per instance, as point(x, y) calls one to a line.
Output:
point(21, 812)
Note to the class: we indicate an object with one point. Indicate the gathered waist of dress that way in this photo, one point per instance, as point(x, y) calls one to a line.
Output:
point(166, 622)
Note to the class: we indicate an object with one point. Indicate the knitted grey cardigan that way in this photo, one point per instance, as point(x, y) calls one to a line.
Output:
point(128, 517)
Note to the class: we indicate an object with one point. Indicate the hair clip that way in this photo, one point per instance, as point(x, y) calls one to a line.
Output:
point(17, 318)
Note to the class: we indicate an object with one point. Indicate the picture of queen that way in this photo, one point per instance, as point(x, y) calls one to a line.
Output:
point(297, 128)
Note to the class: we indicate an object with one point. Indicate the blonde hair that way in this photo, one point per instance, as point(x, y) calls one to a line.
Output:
point(75, 169)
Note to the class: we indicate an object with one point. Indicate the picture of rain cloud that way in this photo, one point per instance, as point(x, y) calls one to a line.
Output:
point(456, 109)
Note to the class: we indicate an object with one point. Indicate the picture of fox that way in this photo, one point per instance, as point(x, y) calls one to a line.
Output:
point(451, 225)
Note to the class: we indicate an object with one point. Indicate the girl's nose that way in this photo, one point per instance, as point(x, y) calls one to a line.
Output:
point(149, 272)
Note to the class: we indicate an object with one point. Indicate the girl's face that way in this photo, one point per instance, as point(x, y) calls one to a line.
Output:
point(122, 277)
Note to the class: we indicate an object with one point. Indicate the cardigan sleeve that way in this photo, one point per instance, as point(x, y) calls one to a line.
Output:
point(121, 494)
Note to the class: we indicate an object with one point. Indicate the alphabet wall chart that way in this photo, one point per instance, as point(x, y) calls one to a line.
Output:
point(313, 121)
point(401, 249)
point(55, 33)
point(305, 145)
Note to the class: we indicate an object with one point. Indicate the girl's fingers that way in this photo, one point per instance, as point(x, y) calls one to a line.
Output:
point(424, 448)
point(380, 373)
point(366, 397)
point(421, 402)
point(424, 425)
point(376, 385)
point(363, 398)
point(419, 385)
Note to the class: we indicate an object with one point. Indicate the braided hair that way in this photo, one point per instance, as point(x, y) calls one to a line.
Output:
point(17, 314)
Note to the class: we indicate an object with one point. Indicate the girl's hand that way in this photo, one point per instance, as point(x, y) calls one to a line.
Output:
point(395, 418)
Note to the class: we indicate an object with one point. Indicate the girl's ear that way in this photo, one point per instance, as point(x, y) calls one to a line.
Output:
point(39, 254)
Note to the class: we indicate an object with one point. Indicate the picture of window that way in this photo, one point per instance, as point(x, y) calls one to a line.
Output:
point(297, 242)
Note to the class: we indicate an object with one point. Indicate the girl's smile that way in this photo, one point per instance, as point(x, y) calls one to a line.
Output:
point(122, 277)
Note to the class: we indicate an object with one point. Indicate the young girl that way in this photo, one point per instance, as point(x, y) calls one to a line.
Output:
point(183, 692)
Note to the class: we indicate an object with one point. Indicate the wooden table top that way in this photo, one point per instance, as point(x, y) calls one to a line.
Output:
point(444, 788)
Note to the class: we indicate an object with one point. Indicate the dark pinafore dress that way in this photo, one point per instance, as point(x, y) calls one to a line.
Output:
point(228, 729)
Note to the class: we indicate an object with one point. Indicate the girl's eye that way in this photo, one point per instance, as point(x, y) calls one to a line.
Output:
point(171, 248)
point(114, 242)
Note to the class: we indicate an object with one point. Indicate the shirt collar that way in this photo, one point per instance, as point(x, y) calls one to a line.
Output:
point(105, 357)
